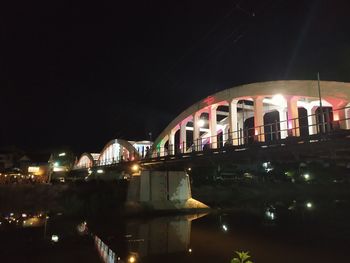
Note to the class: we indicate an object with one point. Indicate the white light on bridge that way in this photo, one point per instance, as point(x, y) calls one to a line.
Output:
point(309, 205)
point(201, 123)
point(225, 228)
point(100, 171)
point(278, 100)
point(62, 154)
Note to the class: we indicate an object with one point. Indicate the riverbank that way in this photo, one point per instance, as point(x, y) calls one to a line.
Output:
point(99, 197)
point(81, 199)
point(245, 195)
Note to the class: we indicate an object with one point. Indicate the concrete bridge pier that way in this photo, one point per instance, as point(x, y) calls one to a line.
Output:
point(161, 191)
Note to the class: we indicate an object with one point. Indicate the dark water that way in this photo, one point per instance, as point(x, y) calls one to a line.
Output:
point(295, 231)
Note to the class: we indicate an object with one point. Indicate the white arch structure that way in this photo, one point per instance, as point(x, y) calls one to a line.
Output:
point(113, 152)
point(260, 98)
point(87, 160)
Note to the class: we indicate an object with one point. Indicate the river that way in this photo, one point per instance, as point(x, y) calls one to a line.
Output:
point(293, 231)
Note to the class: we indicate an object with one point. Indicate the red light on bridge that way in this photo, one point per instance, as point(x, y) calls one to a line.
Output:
point(209, 100)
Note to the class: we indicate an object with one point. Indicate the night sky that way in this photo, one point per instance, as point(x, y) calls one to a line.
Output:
point(80, 74)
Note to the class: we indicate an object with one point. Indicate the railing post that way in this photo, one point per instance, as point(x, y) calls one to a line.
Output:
point(328, 121)
point(240, 136)
point(276, 131)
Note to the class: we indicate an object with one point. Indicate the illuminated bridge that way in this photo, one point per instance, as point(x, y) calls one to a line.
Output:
point(254, 116)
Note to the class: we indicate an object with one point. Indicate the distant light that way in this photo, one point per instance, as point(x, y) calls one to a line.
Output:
point(224, 227)
point(59, 169)
point(189, 169)
point(33, 169)
point(201, 123)
point(190, 250)
point(24, 215)
point(132, 259)
point(308, 204)
point(306, 176)
point(54, 238)
point(100, 171)
point(62, 154)
point(270, 215)
point(56, 164)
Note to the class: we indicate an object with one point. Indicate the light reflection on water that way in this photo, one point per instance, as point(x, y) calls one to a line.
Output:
point(23, 220)
point(164, 235)
point(290, 231)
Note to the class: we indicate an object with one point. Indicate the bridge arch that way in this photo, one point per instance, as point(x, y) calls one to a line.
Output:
point(284, 96)
point(87, 160)
point(117, 150)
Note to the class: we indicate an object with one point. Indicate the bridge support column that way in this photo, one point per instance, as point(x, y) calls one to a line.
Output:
point(342, 116)
point(225, 135)
point(340, 113)
point(171, 143)
point(311, 120)
point(293, 116)
point(196, 132)
point(233, 122)
point(347, 117)
point(161, 190)
point(161, 148)
point(259, 119)
point(283, 122)
point(213, 127)
point(183, 138)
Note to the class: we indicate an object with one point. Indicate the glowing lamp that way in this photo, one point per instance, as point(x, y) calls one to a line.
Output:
point(201, 123)
point(336, 116)
point(54, 238)
point(306, 176)
point(278, 99)
point(135, 167)
point(309, 205)
point(131, 259)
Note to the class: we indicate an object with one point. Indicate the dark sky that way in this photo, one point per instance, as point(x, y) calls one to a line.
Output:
point(79, 74)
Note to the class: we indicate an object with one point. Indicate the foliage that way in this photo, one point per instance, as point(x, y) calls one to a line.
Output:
point(242, 257)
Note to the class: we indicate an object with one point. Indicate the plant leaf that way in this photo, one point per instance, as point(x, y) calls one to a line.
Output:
point(235, 260)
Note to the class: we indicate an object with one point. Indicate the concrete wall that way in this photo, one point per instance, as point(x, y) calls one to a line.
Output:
point(164, 185)
point(161, 190)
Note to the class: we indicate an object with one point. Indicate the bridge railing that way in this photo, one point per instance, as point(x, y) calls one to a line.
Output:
point(324, 122)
